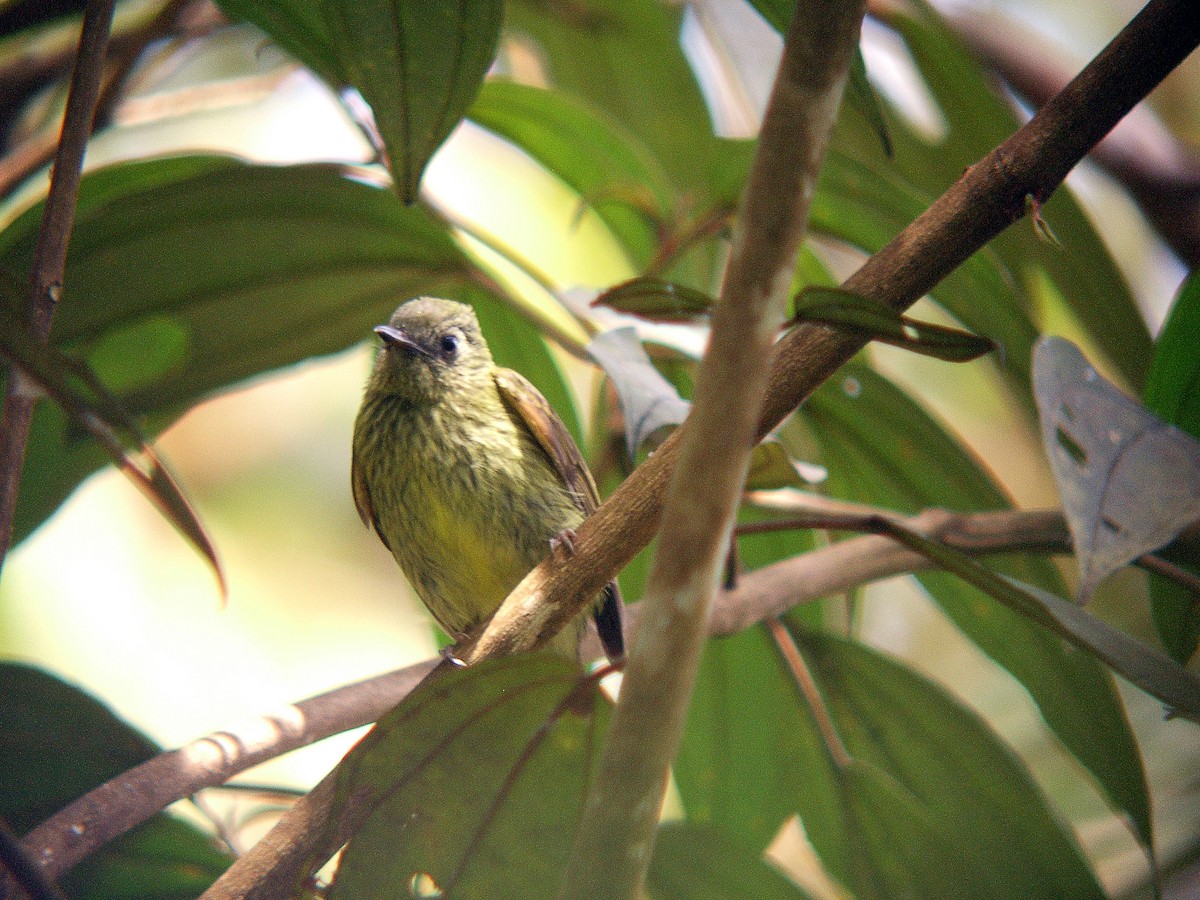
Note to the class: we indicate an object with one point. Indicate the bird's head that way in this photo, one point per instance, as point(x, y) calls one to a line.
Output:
point(432, 350)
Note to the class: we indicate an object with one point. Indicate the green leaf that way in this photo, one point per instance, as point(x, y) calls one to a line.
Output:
point(835, 306)
point(1173, 393)
point(931, 802)
point(419, 64)
point(57, 744)
point(610, 169)
point(477, 781)
point(188, 275)
point(696, 862)
point(77, 391)
point(742, 763)
point(879, 447)
point(658, 300)
point(861, 95)
point(1173, 383)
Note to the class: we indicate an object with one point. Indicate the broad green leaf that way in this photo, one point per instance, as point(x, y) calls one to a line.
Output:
point(931, 802)
point(657, 300)
point(188, 275)
point(419, 64)
point(624, 59)
point(696, 862)
point(1173, 383)
point(599, 159)
point(93, 409)
point(1156, 674)
point(1173, 393)
point(58, 743)
point(741, 766)
point(835, 306)
point(879, 447)
point(477, 781)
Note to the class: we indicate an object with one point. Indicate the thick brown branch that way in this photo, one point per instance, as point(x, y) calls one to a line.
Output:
point(1160, 171)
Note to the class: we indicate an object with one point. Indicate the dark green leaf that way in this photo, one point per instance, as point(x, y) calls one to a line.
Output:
point(879, 447)
point(931, 803)
point(599, 159)
point(696, 862)
point(1173, 394)
point(1173, 383)
point(58, 743)
point(188, 275)
point(477, 780)
point(835, 306)
point(419, 64)
point(743, 763)
point(94, 410)
point(657, 300)
point(1129, 482)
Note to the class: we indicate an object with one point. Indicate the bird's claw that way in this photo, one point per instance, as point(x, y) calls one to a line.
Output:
point(564, 542)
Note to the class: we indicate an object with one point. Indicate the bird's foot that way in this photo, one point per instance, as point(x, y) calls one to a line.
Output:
point(564, 543)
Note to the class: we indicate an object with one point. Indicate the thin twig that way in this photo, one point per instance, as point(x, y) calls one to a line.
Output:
point(807, 685)
point(50, 255)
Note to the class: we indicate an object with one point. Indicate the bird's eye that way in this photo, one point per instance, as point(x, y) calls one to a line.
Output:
point(449, 344)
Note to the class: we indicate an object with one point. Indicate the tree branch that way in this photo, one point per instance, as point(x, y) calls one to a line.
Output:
point(131, 798)
point(986, 200)
point(50, 254)
point(615, 838)
point(1161, 172)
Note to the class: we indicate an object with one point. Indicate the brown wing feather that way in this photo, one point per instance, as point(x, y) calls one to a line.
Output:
point(362, 499)
point(552, 436)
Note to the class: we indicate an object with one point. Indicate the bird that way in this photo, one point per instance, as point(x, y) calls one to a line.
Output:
point(465, 472)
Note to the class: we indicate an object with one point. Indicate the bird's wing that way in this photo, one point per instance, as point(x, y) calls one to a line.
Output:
point(551, 435)
point(362, 499)
point(554, 439)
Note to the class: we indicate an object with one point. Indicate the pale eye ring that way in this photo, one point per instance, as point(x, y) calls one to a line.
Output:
point(449, 345)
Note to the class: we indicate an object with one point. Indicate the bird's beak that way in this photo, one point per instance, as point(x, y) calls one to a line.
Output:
point(394, 337)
